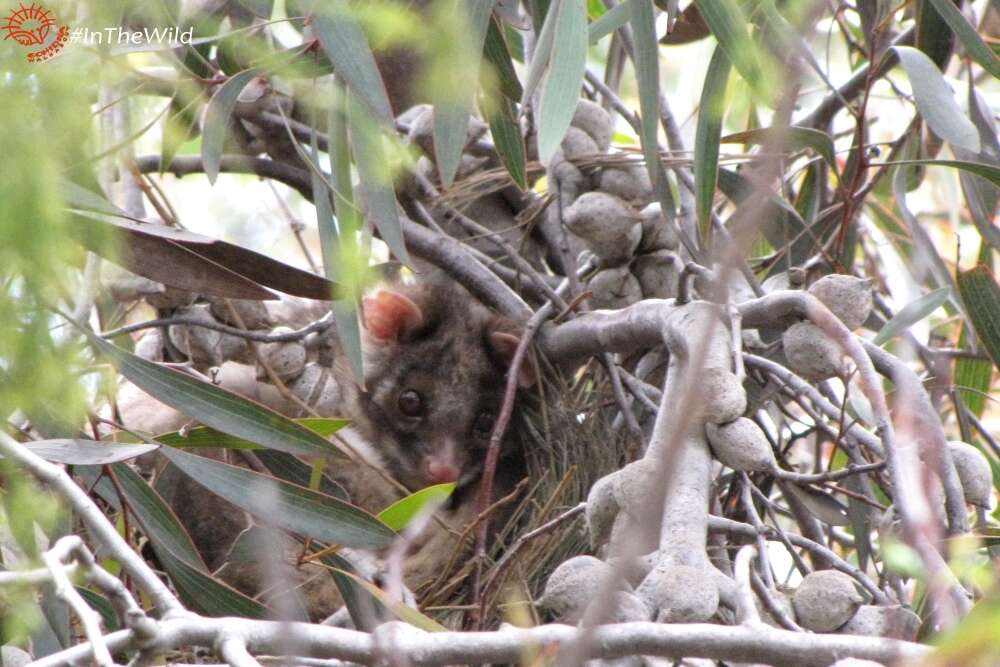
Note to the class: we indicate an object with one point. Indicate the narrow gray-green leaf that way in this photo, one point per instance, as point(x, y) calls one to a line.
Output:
point(823, 506)
point(727, 22)
point(87, 452)
point(203, 436)
point(936, 101)
point(795, 137)
point(542, 54)
point(375, 180)
point(611, 20)
point(706, 139)
point(974, 45)
point(347, 48)
point(217, 114)
point(973, 377)
point(981, 298)
point(451, 115)
point(509, 141)
point(497, 53)
point(647, 70)
point(204, 593)
point(912, 313)
point(213, 406)
point(291, 507)
point(987, 171)
point(561, 89)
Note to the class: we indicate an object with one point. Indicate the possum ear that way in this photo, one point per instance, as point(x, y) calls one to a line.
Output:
point(390, 316)
point(505, 344)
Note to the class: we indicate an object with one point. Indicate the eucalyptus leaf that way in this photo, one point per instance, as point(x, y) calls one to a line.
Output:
point(974, 45)
point(912, 313)
point(401, 512)
point(289, 506)
point(217, 114)
point(706, 141)
point(561, 88)
point(87, 452)
point(981, 299)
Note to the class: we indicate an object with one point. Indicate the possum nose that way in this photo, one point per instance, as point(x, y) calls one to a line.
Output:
point(439, 472)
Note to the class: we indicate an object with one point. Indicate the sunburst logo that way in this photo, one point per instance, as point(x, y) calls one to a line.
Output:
point(32, 26)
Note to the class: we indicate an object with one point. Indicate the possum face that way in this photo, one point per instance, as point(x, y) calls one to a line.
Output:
point(435, 373)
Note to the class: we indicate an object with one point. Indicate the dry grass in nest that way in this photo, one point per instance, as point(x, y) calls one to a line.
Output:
point(569, 443)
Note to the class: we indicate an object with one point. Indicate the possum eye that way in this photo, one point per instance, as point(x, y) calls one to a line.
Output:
point(410, 403)
point(483, 426)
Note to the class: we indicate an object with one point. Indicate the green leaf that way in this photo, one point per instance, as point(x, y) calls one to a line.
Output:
point(509, 141)
point(401, 512)
point(974, 45)
point(497, 53)
point(364, 608)
point(797, 138)
point(933, 37)
point(375, 181)
point(912, 313)
point(204, 593)
point(647, 70)
point(346, 46)
point(973, 378)
point(727, 22)
point(99, 604)
point(611, 20)
point(213, 406)
point(217, 114)
point(451, 115)
point(400, 610)
point(706, 140)
point(567, 65)
point(341, 251)
point(935, 100)
point(203, 436)
point(981, 299)
point(288, 506)
point(822, 505)
point(87, 452)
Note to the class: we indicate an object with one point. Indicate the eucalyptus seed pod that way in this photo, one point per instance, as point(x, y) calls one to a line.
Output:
point(578, 144)
point(657, 273)
point(572, 585)
point(595, 121)
point(287, 360)
point(658, 233)
point(602, 508)
point(251, 314)
point(614, 288)
point(628, 608)
point(892, 622)
point(741, 445)
point(633, 484)
point(629, 183)
point(125, 286)
point(826, 600)
point(680, 593)
point(171, 298)
point(810, 353)
point(150, 346)
point(726, 399)
point(317, 388)
point(974, 473)
point(847, 297)
point(205, 347)
point(608, 226)
point(566, 179)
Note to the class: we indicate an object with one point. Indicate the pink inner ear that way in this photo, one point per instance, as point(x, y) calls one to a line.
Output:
point(505, 345)
point(390, 315)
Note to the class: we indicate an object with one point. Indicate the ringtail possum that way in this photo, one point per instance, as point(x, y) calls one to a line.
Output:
point(435, 365)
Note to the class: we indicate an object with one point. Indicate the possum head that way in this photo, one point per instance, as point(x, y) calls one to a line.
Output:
point(435, 371)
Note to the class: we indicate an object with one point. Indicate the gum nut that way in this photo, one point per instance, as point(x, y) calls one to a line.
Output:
point(781, 599)
point(776, 283)
point(572, 585)
point(633, 483)
point(680, 594)
point(974, 473)
point(658, 233)
point(627, 608)
point(317, 388)
point(150, 346)
point(810, 353)
point(741, 445)
point(422, 129)
point(826, 600)
point(657, 273)
point(847, 297)
point(565, 178)
point(602, 508)
point(595, 121)
point(891, 622)
point(609, 226)
point(614, 288)
point(170, 298)
point(724, 395)
point(287, 360)
point(252, 314)
point(630, 182)
point(201, 345)
point(578, 144)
